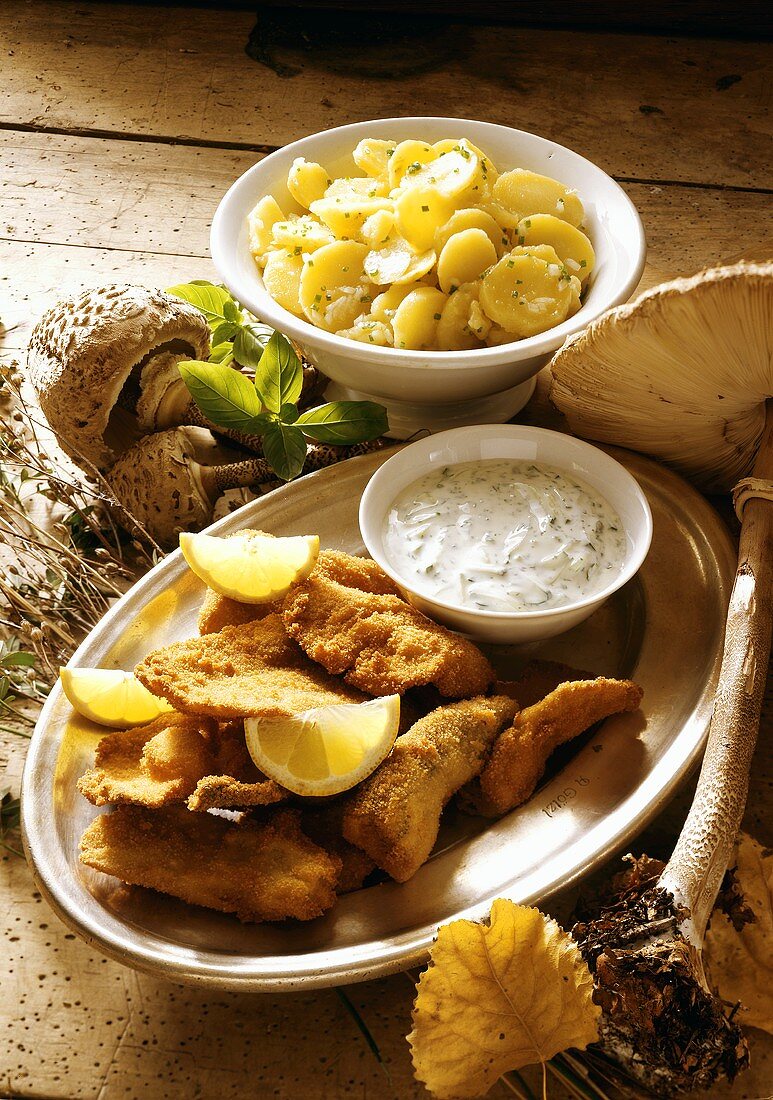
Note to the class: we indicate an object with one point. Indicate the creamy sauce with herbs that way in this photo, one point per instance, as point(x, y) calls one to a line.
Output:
point(501, 535)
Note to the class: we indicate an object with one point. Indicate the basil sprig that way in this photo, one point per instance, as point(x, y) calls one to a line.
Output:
point(268, 406)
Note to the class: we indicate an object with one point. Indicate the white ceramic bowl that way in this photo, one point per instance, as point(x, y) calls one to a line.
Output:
point(434, 389)
point(510, 441)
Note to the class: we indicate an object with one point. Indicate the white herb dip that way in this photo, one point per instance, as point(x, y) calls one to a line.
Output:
point(503, 535)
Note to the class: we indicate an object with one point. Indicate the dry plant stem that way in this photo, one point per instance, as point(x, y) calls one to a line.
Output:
point(702, 853)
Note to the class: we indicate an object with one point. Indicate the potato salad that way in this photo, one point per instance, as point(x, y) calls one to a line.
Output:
point(429, 249)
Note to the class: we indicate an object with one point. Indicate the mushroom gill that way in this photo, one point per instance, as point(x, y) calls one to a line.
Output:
point(682, 373)
point(91, 355)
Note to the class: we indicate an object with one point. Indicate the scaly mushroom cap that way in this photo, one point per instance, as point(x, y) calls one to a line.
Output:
point(87, 355)
point(681, 373)
point(162, 482)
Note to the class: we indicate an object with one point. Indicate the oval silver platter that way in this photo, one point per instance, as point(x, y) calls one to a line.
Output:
point(665, 629)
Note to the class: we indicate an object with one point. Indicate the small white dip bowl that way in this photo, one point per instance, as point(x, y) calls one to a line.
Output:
point(611, 481)
point(434, 389)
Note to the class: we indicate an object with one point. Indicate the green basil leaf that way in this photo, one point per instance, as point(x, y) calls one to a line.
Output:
point(285, 449)
point(279, 374)
point(250, 343)
point(223, 332)
point(208, 298)
point(344, 422)
point(18, 657)
point(222, 393)
point(288, 414)
point(222, 353)
point(232, 312)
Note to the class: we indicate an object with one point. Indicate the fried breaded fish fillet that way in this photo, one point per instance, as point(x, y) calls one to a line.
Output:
point(324, 825)
point(375, 639)
point(253, 669)
point(153, 765)
point(259, 871)
point(218, 611)
point(521, 752)
point(224, 792)
point(394, 815)
point(538, 678)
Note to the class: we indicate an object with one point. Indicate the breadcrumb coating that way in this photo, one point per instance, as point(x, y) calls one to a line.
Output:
point(259, 871)
point(521, 752)
point(253, 669)
point(152, 765)
point(375, 639)
point(394, 815)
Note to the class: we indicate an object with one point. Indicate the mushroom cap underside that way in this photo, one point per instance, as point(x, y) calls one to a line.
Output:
point(90, 347)
point(682, 373)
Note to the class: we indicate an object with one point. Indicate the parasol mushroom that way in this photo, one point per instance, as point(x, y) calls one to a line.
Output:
point(685, 373)
point(90, 357)
point(169, 482)
point(105, 368)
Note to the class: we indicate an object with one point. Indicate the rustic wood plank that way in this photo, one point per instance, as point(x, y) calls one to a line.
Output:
point(76, 211)
point(686, 109)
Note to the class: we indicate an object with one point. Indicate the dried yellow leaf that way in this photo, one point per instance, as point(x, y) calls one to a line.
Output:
point(741, 963)
point(496, 997)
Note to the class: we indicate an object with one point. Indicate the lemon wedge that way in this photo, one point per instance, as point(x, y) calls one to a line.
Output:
point(111, 697)
point(325, 750)
point(250, 568)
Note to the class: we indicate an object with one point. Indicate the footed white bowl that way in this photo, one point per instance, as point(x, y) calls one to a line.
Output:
point(434, 389)
point(591, 465)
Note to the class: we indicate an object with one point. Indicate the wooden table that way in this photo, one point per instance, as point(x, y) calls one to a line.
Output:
point(120, 128)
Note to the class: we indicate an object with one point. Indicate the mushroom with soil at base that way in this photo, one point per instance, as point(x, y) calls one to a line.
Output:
point(685, 373)
point(169, 482)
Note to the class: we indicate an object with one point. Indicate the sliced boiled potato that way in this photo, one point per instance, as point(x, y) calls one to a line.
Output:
point(525, 294)
point(498, 335)
point(331, 273)
point(307, 181)
point(419, 212)
point(345, 216)
point(572, 246)
point(525, 193)
point(301, 233)
point(416, 319)
point(575, 301)
point(456, 174)
point(453, 330)
point(259, 224)
point(505, 219)
point(465, 255)
point(377, 228)
point(282, 278)
point(385, 304)
point(472, 218)
point(408, 157)
point(372, 156)
point(390, 262)
point(369, 331)
point(478, 323)
point(354, 188)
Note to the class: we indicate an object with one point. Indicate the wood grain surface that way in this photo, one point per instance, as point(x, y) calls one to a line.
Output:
point(120, 128)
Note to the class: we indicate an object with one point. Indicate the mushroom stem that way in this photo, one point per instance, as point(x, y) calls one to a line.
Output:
point(192, 414)
point(702, 853)
point(256, 471)
point(661, 1020)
